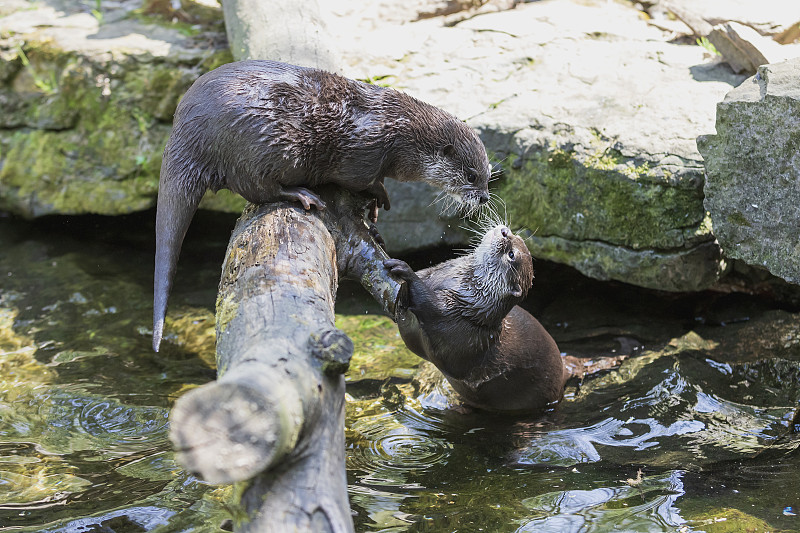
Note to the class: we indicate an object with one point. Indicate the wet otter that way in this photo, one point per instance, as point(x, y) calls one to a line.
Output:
point(266, 130)
point(462, 315)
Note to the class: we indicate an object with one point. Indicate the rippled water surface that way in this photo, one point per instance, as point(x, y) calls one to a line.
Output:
point(692, 432)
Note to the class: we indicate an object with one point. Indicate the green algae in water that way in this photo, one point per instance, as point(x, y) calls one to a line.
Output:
point(83, 405)
point(379, 351)
point(702, 409)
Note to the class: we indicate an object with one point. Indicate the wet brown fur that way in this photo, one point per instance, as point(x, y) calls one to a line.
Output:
point(462, 315)
point(266, 130)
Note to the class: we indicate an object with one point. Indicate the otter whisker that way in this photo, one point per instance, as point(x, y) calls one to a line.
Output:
point(497, 170)
point(488, 220)
point(494, 197)
point(437, 198)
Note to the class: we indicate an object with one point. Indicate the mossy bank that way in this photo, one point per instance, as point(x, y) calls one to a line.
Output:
point(612, 217)
point(88, 105)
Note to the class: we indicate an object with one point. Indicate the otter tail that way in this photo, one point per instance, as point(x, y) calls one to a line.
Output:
point(177, 203)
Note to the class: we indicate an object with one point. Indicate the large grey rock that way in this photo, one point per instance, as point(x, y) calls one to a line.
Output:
point(593, 114)
point(752, 185)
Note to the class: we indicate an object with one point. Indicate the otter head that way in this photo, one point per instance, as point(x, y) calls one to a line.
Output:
point(505, 260)
point(460, 167)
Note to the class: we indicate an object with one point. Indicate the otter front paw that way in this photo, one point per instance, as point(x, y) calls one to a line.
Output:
point(304, 196)
point(399, 268)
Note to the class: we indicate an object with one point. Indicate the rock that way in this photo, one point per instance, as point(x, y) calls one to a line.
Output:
point(593, 115)
point(752, 167)
point(744, 49)
point(87, 104)
point(299, 36)
point(683, 12)
point(768, 17)
point(591, 112)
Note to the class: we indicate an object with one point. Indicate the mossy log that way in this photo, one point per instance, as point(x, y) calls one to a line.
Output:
point(274, 419)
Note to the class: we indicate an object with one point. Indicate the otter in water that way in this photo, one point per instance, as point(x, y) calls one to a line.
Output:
point(267, 130)
point(462, 316)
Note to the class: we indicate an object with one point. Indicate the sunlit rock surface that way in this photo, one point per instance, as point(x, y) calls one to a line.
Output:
point(753, 171)
point(87, 100)
point(591, 112)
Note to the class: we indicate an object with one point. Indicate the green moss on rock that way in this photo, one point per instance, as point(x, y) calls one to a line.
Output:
point(690, 269)
point(602, 197)
point(81, 136)
point(727, 520)
point(379, 351)
point(751, 167)
point(223, 200)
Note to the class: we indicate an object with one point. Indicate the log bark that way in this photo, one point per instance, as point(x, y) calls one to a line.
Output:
point(283, 30)
point(274, 419)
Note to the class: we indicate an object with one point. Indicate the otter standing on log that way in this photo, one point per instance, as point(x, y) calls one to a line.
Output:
point(462, 316)
point(266, 130)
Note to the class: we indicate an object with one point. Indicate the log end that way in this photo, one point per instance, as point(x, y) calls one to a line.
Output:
point(334, 349)
point(226, 432)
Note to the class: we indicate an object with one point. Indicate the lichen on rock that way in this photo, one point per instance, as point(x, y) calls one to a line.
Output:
point(88, 106)
point(752, 164)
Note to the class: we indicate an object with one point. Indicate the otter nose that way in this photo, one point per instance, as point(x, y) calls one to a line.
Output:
point(483, 199)
point(504, 231)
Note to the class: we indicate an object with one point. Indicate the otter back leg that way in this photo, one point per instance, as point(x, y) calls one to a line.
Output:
point(176, 206)
point(304, 196)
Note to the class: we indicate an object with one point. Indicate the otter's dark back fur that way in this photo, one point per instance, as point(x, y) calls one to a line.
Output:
point(464, 318)
point(258, 127)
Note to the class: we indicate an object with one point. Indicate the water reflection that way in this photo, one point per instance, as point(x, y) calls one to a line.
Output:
point(646, 507)
point(665, 411)
point(580, 445)
point(131, 519)
point(388, 446)
point(84, 404)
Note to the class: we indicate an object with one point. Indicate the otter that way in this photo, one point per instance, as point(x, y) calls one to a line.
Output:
point(462, 316)
point(268, 130)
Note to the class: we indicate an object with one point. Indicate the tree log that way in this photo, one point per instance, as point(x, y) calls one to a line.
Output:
point(283, 30)
point(274, 419)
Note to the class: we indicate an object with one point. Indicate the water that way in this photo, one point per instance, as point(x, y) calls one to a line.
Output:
point(703, 408)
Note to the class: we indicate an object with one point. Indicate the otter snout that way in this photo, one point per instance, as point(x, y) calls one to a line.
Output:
point(500, 232)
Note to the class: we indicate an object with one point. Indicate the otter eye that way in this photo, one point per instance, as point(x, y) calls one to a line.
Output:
point(471, 177)
point(511, 255)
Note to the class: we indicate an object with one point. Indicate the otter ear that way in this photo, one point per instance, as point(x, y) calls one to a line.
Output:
point(516, 291)
point(448, 150)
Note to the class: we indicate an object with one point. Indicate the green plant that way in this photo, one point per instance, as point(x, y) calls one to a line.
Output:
point(96, 12)
point(708, 45)
point(381, 80)
point(48, 86)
